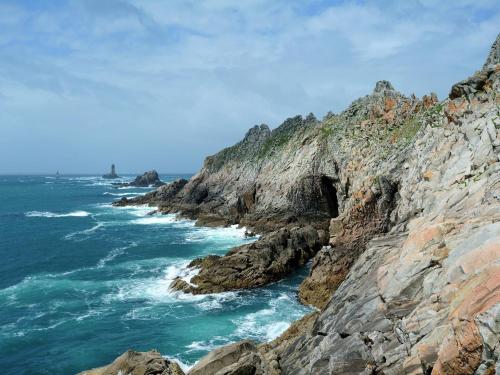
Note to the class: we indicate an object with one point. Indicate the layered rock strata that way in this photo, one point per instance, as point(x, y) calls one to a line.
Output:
point(407, 192)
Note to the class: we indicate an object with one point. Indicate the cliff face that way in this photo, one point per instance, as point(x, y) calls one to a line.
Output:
point(405, 193)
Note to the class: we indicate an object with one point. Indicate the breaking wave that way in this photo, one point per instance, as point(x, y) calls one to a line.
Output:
point(54, 214)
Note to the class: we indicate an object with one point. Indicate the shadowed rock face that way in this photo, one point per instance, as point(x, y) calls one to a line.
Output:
point(150, 178)
point(410, 279)
point(255, 264)
point(163, 193)
point(147, 179)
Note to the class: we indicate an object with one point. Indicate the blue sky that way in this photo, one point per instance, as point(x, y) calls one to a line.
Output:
point(161, 84)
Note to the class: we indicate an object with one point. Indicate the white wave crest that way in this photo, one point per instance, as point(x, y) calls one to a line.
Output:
point(269, 323)
point(155, 220)
point(134, 187)
point(202, 234)
point(121, 194)
point(84, 232)
point(139, 211)
point(184, 366)
point(53, 214)
point(157, 289)
point(113, 254)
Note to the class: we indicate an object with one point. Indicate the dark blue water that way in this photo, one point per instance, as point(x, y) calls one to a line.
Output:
point(82, 281)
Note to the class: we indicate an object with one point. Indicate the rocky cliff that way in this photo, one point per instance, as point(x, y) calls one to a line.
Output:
point(397, 202)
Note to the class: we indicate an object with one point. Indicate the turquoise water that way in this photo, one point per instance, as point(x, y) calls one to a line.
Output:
point(82, 281)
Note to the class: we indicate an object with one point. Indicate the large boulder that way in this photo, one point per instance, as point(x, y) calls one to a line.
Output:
point(240, 358)
point(269, 259)
point(149, 178)
point(163, 193)
point(138, 363)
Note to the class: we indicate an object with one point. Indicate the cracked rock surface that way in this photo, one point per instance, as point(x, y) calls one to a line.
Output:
point(397, 201)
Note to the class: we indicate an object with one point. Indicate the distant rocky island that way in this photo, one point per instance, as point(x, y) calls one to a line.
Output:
point(150, 178)
point(112, 173)
point(395, 201)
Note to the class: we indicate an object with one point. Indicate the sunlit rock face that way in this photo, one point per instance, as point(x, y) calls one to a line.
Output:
point(397, 203)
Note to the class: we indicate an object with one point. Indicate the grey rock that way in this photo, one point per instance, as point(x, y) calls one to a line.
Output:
point(218, 361)
point(494, 55)
point(382, 86)
point(138, 363)
point(416, 183)
point(269, 259)
point(149, 178)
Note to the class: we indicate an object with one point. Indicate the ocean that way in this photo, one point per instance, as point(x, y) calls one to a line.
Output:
point(82, 281)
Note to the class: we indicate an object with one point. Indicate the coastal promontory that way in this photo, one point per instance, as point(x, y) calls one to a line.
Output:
point(395, 202)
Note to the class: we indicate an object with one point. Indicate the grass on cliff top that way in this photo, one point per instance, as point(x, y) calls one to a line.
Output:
point(284, 133)
point(406, 132)
point(274, 143)
point(332, 125)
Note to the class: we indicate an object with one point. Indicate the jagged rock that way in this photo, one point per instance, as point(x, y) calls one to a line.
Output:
point(235, 359)
point(483, 79)
point(414, 256)
point(349, 235)
point(494, 55)
point(163, 193)
point(269, 259)
point(149, 178)
point(382, 86)
point(138, 363)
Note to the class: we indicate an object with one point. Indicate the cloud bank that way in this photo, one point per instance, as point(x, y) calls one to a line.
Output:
point(161, 84)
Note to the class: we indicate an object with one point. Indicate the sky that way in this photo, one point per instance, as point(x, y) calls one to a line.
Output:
point(163, 83)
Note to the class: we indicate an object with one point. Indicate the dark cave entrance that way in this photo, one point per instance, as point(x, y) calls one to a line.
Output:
point(329, 192)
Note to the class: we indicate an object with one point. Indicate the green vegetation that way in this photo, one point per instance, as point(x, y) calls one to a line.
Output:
point(275, 142)
point(331, 126)
point(282, 135)
point(407, 131)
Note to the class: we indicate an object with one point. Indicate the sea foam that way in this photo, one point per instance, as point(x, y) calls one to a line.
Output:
point(121, 194)
point(49, 214)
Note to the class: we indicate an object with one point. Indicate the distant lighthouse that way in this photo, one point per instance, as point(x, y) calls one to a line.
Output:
point(112, 174)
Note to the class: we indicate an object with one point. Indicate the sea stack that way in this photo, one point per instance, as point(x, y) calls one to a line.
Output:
point(149, 178)
point(112, 174)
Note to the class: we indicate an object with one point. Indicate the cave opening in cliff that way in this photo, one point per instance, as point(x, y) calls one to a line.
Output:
point(329, 191)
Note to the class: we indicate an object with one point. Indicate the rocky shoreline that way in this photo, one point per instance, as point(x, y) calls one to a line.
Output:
point(397, 202)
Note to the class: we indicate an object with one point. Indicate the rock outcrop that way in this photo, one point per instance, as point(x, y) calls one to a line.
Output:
point(252, 265)
point(147, 179)
point(163, 193)
point(240, 358)
point(402, 195)
point(138, 363)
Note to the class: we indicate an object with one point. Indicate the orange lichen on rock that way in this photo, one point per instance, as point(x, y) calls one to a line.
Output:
point(460, 353)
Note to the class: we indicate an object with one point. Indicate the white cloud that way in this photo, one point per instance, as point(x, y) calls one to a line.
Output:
point(174, 81)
